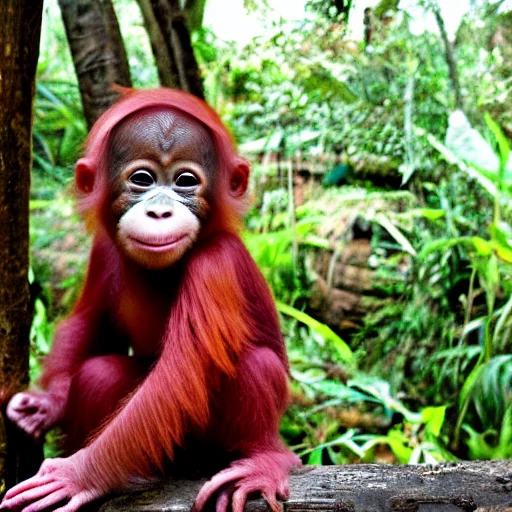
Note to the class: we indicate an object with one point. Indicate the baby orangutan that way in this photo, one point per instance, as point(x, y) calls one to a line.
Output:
point(174, 342)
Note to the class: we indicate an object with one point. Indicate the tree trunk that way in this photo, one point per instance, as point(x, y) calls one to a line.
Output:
point(158, 45)
point(450, 56)
point(194, 14)
point(184, 67)
point(343, 8)
point(19, 40)
point(98, 53)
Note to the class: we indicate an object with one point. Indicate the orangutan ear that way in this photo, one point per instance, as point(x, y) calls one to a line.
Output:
point(239, 178)
point(84, 175)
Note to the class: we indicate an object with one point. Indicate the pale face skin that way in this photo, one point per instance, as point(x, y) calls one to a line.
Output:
point(162, 175)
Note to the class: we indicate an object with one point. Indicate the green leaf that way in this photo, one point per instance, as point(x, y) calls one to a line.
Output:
point(325, 331)
point(434, 419)
point(489, 274)
point(469, 384)
point(397, 441)
point(338, 390)
point(505, 314)
point(501, 232)
point(483, 247)
point(501, 235)
point(504, 253)
point(380, 389)
point(441, 245)
point(346, 440)
point(395, 233)
point(506, 434)
point(431, 213)
point(451, 158)
point(503, 145)
point(478, 447)
point(315, 457)
point(37, 204)
point(316, 241)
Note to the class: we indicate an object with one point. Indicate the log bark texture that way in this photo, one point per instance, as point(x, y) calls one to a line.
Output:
point(468, 486)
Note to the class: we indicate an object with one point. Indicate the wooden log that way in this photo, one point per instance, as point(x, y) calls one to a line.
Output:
point(484, 486)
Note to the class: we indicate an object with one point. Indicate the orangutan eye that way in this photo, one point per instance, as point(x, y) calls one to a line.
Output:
point(187, 180)
point(142, 178)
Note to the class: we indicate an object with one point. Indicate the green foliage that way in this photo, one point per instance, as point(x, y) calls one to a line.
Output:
point(59, 130)
point(59, 127)
point(273, 253)
point(333, 11)
point(343, 350)
point(416, 440)
point(385, 5)
point(410, 437)
point(490, 260)
point(40, 334)
point(493, 443)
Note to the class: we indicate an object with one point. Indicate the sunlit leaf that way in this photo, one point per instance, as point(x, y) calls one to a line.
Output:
point(434, 418)
point(432, 213)
point(503, 144)
point(395, 233)
point(330, 336)
point(315, 457)
point(483, 247)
